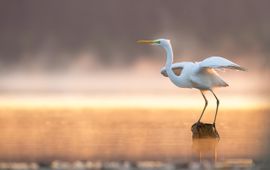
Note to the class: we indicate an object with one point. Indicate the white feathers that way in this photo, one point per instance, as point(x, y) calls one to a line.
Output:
point(217, 62)
point(214, 62)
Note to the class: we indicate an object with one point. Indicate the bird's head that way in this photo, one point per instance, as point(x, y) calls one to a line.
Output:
point(159, 42)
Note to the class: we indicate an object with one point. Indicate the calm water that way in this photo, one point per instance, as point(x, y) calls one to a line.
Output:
point(131, 134)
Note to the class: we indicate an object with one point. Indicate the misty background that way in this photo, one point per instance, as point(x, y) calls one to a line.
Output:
point(80, 45)
point(53, 34)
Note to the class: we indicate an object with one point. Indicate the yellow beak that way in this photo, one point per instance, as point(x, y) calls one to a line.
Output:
point(146, 41)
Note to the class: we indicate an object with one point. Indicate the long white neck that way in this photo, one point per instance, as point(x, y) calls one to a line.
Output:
point(169, 60)
point(180, 80)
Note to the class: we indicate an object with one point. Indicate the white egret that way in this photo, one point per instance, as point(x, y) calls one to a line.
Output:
point(199, 75)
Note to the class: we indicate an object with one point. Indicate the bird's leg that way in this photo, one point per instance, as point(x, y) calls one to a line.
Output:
point(214, 124)
point(205, 105)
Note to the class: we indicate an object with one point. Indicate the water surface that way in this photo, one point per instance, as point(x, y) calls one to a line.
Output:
point(126, 134)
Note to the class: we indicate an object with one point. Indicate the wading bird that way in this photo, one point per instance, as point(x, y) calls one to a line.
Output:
point(199, 75)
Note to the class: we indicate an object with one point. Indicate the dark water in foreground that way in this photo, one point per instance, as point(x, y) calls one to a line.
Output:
point(129, 134)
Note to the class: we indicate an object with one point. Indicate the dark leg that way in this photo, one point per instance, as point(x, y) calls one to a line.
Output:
point(216, 108)
point(205, 105)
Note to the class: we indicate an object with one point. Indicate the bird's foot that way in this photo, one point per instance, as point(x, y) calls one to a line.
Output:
point(214, 125)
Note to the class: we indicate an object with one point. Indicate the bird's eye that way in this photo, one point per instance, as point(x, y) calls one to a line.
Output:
point(158, 42)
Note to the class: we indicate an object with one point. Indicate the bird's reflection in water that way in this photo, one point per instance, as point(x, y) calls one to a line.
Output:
point(205, 149)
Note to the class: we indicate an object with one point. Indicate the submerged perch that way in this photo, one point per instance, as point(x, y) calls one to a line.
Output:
point(204, 130)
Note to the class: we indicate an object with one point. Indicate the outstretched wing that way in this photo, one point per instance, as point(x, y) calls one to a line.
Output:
point(217, 62)
point(176, 67)
point(214, 62)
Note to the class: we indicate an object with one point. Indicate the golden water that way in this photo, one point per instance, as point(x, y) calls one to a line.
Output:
point(126, 134)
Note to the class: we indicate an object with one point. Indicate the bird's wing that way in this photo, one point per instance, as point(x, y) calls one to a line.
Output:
point(176, 67)
point(217, 62)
